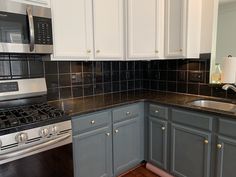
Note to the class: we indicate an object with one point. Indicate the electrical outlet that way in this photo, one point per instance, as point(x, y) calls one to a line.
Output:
point(195, 76)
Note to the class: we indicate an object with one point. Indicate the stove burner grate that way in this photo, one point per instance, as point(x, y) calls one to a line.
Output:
point(13, 117)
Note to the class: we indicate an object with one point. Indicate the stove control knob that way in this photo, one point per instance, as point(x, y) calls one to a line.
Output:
point(54, 130)
point(44, 133)
point(21, 138)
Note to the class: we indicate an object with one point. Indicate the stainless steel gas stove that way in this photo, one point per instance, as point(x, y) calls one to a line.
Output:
point(28, 125)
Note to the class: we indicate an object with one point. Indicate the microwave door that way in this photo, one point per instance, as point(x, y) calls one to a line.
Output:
point(14, 33)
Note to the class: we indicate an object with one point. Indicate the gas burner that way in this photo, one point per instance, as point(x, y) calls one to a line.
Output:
point(18, 116)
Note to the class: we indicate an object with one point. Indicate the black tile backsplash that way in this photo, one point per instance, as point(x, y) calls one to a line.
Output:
point(80, 79)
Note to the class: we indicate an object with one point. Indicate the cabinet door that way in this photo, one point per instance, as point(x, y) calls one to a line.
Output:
point(226, 153)
point(72, 29)
point(93, 153)
point(108, 29)
point(126, 145)
point(175, 28)
point(158, 142)
point(190, 152)
point(145, 28)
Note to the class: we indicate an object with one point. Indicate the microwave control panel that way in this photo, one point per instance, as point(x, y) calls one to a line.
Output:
point(43, 31)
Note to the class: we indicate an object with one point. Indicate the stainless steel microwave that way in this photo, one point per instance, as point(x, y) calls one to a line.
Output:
point(25, 28)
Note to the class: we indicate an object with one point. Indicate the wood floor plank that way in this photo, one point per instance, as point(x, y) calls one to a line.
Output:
point(140, 172)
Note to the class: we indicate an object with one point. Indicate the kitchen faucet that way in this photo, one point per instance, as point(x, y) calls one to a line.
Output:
point(229, 86)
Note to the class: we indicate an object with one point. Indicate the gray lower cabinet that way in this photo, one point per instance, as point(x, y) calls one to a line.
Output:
point(93, 153)
point(226, 157)
point(158, 142)
point(126, 145)
point(190, 152)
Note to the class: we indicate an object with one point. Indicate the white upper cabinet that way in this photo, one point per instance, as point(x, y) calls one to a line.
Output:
point(183, 28)
point(175, 28)
point(145, 29)
point(44, 3)
point(72, 29)
point(108, 29)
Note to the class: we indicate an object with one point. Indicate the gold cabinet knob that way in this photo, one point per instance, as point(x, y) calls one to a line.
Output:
point(97, 51)
point(219, 146)
point(163, 128)
point(156, 51)
point(93, 122)
point(116, 131)
point(181, 50)
point(206, 141)
point(89, 51)
point(108, 134)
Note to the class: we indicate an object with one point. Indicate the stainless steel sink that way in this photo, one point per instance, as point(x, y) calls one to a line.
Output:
point(216, 105)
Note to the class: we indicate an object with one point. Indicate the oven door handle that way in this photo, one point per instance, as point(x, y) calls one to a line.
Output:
point(34, 148)
point(31, 28)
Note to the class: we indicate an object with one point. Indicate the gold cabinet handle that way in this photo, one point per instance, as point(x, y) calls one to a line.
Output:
point(163, 128)
point(206, 141)
point(93, 122)
point(88, 51)
point(97, 51)
point(219, 146)
point(108, 134)
point(116, 131)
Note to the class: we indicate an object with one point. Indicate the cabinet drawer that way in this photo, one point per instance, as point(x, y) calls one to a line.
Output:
point(193, 119)
point(227, 127)
point(90, 121)
point(158, 111)
point(124, 113)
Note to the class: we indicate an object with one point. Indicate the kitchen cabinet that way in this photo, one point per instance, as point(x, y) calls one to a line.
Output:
point(93, 153)
point(183, 19)
point(92, 143)
point(72, 29)
point(107, 150)
point(190, 152)
point(175, 28)
point(108, 21)
point(145, 29)
point(127, 145)
point(88, 29)
point(158, 142)
point(226, 157)
point(44, 3)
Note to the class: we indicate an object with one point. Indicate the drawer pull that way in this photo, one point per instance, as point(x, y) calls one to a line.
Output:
point(116, 131)
point(128, 113)
point(206, 141)
point(156, 111)
point(219, 146)
point(108, 134)
point(163, 128)
point(93, 122)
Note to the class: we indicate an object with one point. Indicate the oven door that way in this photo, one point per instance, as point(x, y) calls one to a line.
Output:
point(56, 162)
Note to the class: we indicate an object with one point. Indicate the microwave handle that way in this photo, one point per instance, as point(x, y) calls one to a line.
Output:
point(31, 28)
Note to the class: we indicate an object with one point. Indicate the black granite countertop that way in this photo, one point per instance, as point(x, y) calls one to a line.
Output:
point(79, 106)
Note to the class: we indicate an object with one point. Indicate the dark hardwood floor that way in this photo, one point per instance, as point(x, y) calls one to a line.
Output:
point(140, 172)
